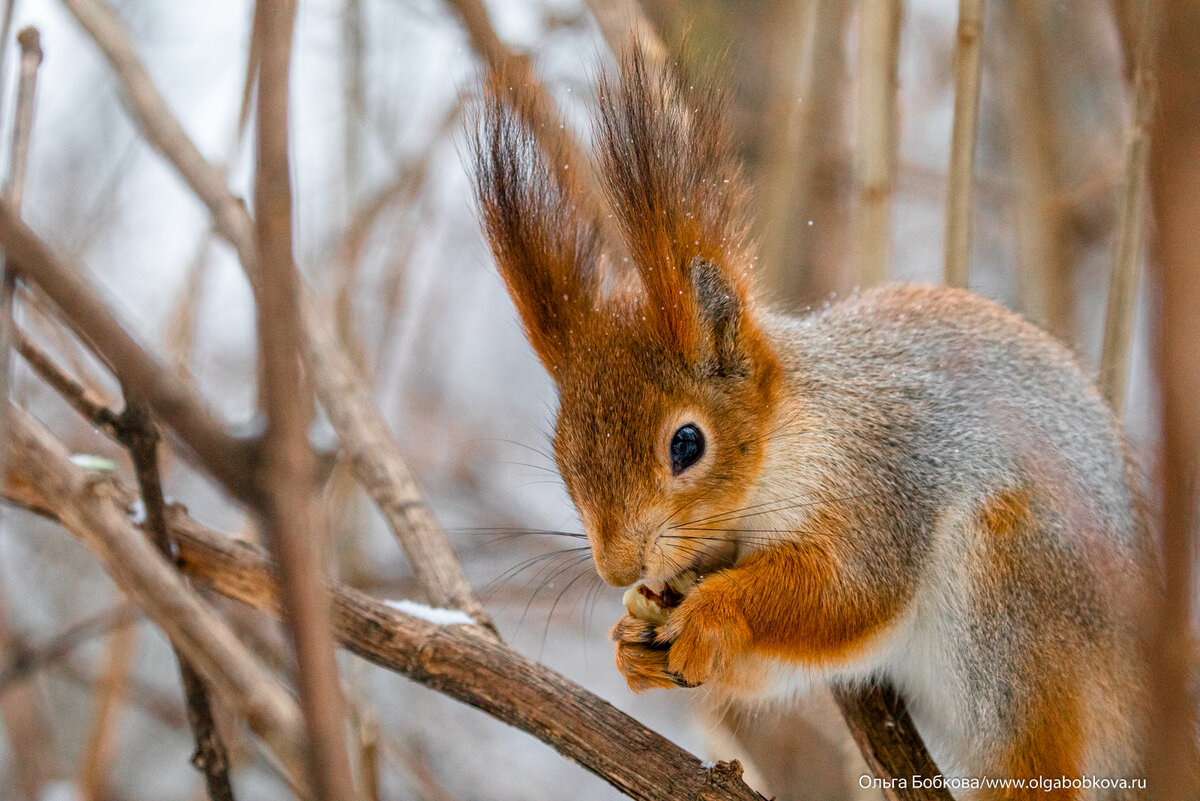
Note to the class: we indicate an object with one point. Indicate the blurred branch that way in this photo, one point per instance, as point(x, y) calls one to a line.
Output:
point(967, 73)
point(1172, 763)
point(286, 475)
point(26, 659)
point(507, 68)
point(875, 150)
point(40, 477)
point(24, 720)
point(162, 129)
point(360, 426)
point(1127, 251)
point(14, 189)
point(790, 110)
point(1045, 262)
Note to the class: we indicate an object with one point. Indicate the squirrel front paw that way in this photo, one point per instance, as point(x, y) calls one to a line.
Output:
point(642, 661)
point(703, 635)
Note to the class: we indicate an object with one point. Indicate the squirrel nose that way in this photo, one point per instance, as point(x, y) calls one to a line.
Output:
point(618, 574)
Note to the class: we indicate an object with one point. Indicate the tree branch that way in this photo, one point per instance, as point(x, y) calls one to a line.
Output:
point(40, 475)
point(286, 475)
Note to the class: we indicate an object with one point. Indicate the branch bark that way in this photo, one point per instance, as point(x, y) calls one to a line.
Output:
point(1172, 764)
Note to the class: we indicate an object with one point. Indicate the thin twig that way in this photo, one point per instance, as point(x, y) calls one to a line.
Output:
point(1127, 250)
point(140, 437)
point(875, 151)
point(287, 466)
point(968, 69)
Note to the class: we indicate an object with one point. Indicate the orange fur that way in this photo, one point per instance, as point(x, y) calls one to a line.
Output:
point(792, 602)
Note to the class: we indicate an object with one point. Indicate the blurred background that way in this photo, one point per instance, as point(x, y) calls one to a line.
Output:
point(387, 234)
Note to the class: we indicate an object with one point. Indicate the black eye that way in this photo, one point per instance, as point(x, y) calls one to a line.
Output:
point(687, 446)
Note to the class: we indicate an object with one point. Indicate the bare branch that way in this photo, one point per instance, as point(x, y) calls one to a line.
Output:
point(138, 433)
point(465, 662)
point(623, 24)
point(968, 68)
point(889, 741)
point(287, 466)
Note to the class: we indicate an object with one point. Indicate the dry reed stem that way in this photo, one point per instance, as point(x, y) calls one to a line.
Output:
point(40, 476)
point(968, 70)
point(875, 150)
point(286, 469)
point(789, 118)
point(100, 749)
point(173, 397)
point(1172, 763)
point(1127, 249)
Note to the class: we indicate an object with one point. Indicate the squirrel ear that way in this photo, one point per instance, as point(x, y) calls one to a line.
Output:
point(721, 307)
point(547, 254)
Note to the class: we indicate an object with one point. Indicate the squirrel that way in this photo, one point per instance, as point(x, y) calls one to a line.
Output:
point(913, 484)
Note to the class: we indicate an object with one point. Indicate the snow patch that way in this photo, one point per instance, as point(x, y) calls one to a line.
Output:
point(708, 765)
point(433, 614)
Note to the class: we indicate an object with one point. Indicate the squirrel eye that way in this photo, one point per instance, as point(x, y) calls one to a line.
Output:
point(687, 446)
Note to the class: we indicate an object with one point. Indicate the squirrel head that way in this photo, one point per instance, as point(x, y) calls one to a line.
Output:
point(665, 379)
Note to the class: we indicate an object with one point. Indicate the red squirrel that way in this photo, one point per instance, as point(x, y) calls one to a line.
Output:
point(913, 484)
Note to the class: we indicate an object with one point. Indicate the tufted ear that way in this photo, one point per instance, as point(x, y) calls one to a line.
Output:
point(547, 253)
point(674, 183)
